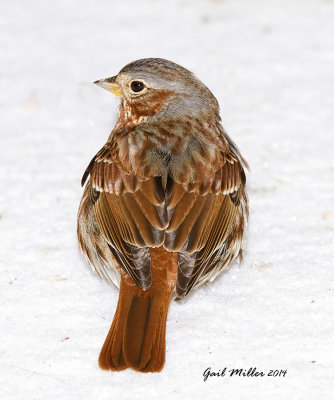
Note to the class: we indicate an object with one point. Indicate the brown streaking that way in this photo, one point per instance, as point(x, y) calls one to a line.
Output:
point(165, 205)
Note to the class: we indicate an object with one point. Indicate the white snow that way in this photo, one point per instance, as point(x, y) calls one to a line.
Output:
point(271, 66)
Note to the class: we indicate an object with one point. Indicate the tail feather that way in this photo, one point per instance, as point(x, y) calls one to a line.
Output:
point(111, 355)
point(136, 338)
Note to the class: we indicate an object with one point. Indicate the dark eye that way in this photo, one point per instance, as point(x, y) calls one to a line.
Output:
point(137, 86)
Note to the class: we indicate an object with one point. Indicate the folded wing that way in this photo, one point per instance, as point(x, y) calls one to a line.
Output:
point(203, 221)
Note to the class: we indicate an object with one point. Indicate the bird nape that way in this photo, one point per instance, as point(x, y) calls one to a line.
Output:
point(164, 208)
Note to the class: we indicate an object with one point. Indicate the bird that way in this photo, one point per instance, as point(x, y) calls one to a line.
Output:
point(164, 208)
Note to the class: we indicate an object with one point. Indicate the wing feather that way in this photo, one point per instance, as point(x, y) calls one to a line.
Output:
point(210, 220)
point(201, 220)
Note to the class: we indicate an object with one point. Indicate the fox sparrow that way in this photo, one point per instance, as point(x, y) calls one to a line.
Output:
point(165, 206)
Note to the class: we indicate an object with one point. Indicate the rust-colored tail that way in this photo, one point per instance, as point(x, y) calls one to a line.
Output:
point(136, 338)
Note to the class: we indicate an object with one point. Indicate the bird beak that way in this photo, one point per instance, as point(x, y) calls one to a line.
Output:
point(111, 85)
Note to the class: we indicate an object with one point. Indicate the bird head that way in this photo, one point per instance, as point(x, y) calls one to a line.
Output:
point(154, 87)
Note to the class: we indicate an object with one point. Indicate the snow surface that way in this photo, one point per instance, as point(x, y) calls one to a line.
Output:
point(271, 66)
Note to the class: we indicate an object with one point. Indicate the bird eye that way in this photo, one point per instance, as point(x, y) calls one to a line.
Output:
point(137, 86)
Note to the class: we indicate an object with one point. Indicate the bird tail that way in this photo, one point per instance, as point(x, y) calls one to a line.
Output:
point(136, 338)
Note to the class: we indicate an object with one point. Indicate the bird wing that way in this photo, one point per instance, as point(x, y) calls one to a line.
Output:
point(130, 213)
point(202, 221)
point(207, 223)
